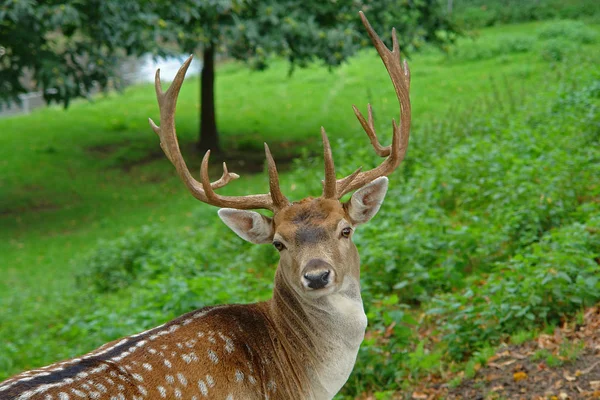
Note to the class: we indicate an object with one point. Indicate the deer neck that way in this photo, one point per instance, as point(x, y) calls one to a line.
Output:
point(323, 335)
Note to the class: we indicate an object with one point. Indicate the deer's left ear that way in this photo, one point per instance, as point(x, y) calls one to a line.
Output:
point(249, 225)
point(365, 202)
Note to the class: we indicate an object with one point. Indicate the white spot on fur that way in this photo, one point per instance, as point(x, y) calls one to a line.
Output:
point(229, 347)
point(210, 381)
point(162, 391)
point(182, 379)
point(239, 375)
point(213, 356)
point(147, 366)
point(203, 388)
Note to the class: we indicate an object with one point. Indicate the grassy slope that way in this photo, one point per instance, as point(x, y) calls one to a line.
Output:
point(57, 196)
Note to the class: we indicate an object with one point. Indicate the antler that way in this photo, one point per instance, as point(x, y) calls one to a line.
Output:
point(400, 75)
point(205, 190)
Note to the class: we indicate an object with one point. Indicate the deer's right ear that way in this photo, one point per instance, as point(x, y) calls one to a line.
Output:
point(249, 225)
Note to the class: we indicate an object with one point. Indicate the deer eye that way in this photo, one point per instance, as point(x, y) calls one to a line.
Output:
point(346, 232)
point(278, 245)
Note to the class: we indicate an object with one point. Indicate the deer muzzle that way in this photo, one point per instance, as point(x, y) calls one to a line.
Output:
point(317, 274)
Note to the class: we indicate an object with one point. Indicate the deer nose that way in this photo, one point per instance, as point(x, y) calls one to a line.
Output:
point(317, 280)
point(317, 274)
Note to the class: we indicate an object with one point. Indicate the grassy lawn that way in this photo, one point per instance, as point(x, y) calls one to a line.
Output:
point(69, 178)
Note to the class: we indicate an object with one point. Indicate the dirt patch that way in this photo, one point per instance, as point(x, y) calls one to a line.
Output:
point(39, 206)
point(103, 150)
point(26, 199)
point(565, 365)
point(245, 155)
point(127, 164)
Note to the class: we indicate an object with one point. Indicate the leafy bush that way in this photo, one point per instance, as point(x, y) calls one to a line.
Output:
point(481, 13)
point(485, 198)
point(503, 45)
point(554, 50)
point(572, 31)
point(540, 284)
point(141, 254)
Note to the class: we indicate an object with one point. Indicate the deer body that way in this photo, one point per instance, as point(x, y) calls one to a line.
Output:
point(300, 344)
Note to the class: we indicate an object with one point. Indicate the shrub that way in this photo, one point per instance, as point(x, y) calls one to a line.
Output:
point(141, 254)
point(540, 284)
point(481, 13)
point(572, 31)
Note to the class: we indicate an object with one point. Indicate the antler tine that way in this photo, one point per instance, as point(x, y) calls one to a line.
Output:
point(400, 75)
point(204, 191)
point(247, 202)
point(369, 128)
point(279, 200)
point(329, 185)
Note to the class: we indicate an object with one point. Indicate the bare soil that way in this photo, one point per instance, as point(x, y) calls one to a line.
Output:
point(523, 371)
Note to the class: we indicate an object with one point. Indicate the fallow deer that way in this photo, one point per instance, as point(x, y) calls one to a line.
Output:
point(300, 344)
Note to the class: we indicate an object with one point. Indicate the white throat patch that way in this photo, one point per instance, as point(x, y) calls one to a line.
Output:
point(343, 335)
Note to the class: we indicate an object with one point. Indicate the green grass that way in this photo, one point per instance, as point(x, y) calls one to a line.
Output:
point(459, 205)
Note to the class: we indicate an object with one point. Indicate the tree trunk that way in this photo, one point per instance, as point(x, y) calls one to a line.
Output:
point(209, 137)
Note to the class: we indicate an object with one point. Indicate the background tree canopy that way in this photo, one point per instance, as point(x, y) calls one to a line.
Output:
point(68, 47)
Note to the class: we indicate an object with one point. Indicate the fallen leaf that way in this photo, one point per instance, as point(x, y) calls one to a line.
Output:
point(519, 376)
point(519, 356)
point(568, 377)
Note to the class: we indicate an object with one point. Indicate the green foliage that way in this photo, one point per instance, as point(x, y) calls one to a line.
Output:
point(503, 45)
point(572, 31)
point(562, 38)
point(299, 31)
point(71, 47)
point(140, 255)
point(481, 13)
point(67, 48)
point(545, 281)
point(554, 50)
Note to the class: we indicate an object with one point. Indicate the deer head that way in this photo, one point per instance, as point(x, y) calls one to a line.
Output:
point(314, 235)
